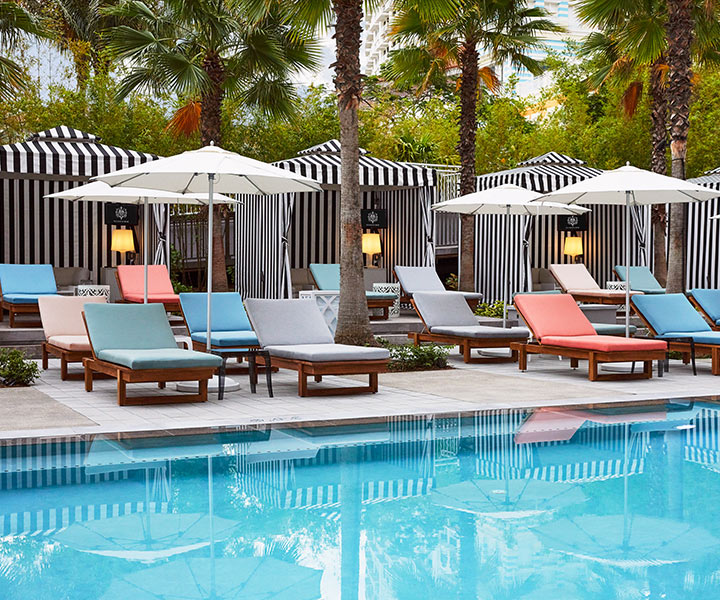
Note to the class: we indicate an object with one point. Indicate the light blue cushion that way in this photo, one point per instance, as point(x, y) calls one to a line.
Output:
point(670, 313)
point(699, 337)
point(380, 296)
point(24, 298)
point(709, 300)
point(159, 358)
point(227, 339)
point(288, 322)
point(327, 277)
point(128, 327)
point(228, 312)
point(27, 279)
point(612, 329)
point(641, 280)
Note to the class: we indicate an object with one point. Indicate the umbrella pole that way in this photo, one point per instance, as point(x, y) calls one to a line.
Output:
point(507, 270)
point(627, 263)
point(146, 245)
point(211, 183)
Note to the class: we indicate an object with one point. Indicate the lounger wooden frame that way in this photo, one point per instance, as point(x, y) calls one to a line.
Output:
point(466, 344)
point(685, 348)
point(169, 306)
point(406, 298)
point(125, 375)
point(594, 358)
point(703, 312)
point(305, 369)
point(383, 304)
point(19, 309)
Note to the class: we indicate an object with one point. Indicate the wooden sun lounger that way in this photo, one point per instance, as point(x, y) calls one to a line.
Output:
point(406, 297)
point(169, 306)
point(565, 305)
point(704, 313)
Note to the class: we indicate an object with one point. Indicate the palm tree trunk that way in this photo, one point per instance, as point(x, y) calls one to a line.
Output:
point(679, 31)
point(466, 149)
point(210, 131)
point(353, 326)
point(658, 115)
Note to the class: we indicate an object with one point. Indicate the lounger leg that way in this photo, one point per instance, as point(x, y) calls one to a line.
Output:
point(374, 382)
point(647, 369)
point(574, 363)
point(592, 367)
point(12, 317)
point(686, 358)
point(44, 356)
point(203, 390)
point(465, 349)
point(252, 367)
point(302, 381)
point(221, 378)
point(63, 367)
point(268, 375)
point(692, 357)
point(161, 385)
point(121, 390)
point(716, 361)
point(522, 357)
point(88, 379)
point(661, 367)
point(318, 378)
point(415, 338)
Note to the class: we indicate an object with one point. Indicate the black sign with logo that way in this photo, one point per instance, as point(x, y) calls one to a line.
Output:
point(121, 214)
point(572, 222)
point(373, 218)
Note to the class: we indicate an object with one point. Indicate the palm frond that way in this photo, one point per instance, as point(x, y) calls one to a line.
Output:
point(631, 98)
point(186, 120)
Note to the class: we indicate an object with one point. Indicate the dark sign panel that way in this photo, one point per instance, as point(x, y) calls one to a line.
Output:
point(572, 222)
point(121, 214)
point(374, 218)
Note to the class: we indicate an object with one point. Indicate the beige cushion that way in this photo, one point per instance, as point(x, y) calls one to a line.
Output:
point(71, 342)
point(574, 277)
point(62, 315)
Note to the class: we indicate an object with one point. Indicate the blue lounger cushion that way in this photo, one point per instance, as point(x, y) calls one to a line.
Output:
point(612, 329)
point(699, 337)
point(227, 339)
point(27, 280)
point(641, 280)
point(24, 298)
point(160, 358)
point(230, 324)
point(709, 300)
point(670, 314)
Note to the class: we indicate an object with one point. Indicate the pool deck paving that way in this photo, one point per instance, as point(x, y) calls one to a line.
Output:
point(56, 408)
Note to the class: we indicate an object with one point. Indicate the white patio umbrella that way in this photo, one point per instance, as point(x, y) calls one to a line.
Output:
point(211, 169)
point(99, 191)
point(630, 186)
point(506, 199)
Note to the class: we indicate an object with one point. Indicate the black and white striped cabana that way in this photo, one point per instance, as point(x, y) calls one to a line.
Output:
point(276, 236)
point(40, 230)
point(703, 237)
point(603, 242)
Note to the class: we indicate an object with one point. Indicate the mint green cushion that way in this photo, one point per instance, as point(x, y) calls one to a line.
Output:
point(380, 296)
point(327, 277)
point(641, 280)
point(159, 358)
point(128, 327)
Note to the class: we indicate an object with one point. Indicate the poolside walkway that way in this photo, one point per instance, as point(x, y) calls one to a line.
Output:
point(65, 408)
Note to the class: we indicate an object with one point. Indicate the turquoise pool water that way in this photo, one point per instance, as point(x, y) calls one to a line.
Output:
point(543, 505)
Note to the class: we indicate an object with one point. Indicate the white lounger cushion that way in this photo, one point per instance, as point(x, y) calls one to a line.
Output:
point(328, 352)
point(287, 322)
point(482, 331)
point(574, 277)
point(444, 309)
point(425, 279)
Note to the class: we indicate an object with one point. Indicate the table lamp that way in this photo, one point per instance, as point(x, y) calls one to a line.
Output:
point(371, 246)
point(123, 240)
point(573, 247)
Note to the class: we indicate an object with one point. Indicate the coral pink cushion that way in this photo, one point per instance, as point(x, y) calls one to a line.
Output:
point(152, 298)
point(62, 315)
point(71, 342)
point(603, 343)
point(552, 314)
point(132, 281)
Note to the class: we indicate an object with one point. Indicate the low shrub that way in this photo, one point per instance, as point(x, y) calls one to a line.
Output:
point(407, 357)
point(451, 282)
point(16, 370)
point(486, 309)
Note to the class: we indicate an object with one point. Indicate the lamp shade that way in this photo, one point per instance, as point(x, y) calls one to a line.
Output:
point(122, 241)
point(371, 243)
point(573, 246)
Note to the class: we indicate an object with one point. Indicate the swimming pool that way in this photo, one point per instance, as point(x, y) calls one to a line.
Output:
point(545, 504)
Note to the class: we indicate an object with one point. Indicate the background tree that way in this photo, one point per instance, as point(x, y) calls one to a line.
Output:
point(440, 37)
point(15, 22)
point(207, 51)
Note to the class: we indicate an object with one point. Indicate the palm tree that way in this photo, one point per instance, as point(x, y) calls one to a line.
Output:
point(207, 51)
point(446, 35)
point(15, 22)
point(353, 325)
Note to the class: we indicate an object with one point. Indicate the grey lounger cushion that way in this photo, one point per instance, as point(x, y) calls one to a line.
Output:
point(444, 309)
point(287, 322)
point(328, 352)
point(425, 279)
point(482, 331)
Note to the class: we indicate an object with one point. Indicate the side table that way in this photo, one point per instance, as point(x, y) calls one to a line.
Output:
point(390, 288)
point(93, 290)
point(251, 354)
point(328, 302)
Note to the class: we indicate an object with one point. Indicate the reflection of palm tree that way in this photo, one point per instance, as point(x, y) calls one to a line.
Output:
point(350, 515)
point(23, 559)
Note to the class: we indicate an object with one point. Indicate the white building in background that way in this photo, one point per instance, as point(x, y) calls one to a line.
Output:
point(376, 42)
